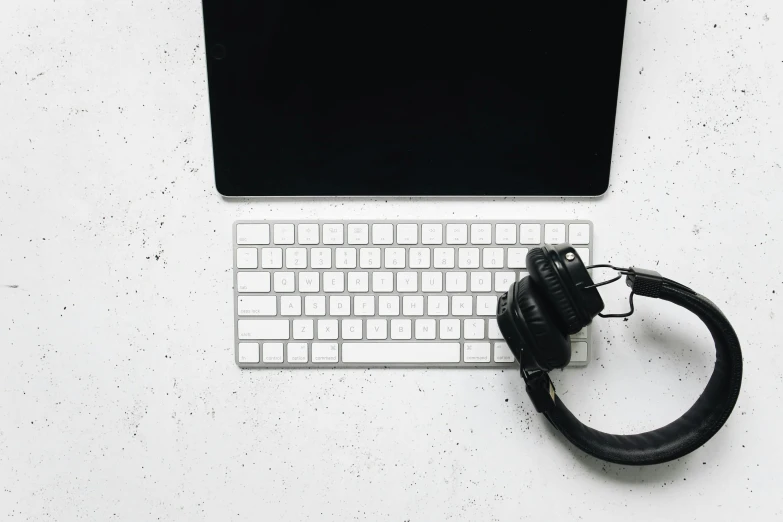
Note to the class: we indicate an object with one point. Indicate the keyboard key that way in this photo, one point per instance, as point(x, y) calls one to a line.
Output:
point(249, 353)
point(407, 234)
point(297, 352)
point(290, 305)
point(529, 234)
point(389, 305)
point(468, 257)
point(486, 305)
point(413, 305)
point(438, 305)
point(425, 329)
point(358, 282)
point(579, 234)
point(334, 282)
point(284, 282)
point(401, 329)
point(247, 258)
point(480, 282)
point(303, 329)
point(308, 234)
point(271, 258)
point(503, 281)
point(256, 305)
point(352, 329)
point(252, 234)
point(382, 281)
point(474, 329)
point(273, 352)
point(283, 234)
point(492, 258)
point(407, 281)
point(462, 305)
point(383, 234)
point(376, 329)
point(457, 234)
point(296, 258)
point(369, 258)
point(449, 329)
point(443, 258)
point(340, 305)
point(358, 234)
point(390, 353)
point(419, 258)
point(517, 257)
point(364, 305)
point(581, 334)
point(321, 258)
point(345, 258)
point(480, 234)
point(432, 234)
point(309, 282)
point(579, 352)
point(263, 329)
point(506, 234)
point(315, 305)
point(456, 281)
point(394, 257)
point(584, 255)
point(253, 282)
point(503, 353)
point(327, 329)
point(325, 353)
point(333, 234)
point(476, 352)
point(493, 330)
point(554, 233)
point(432, 281)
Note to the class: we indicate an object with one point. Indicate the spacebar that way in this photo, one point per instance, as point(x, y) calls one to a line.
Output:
point(401, 352)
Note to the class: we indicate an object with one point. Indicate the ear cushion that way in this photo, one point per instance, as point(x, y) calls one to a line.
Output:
point(543, 274)
point(551, 347)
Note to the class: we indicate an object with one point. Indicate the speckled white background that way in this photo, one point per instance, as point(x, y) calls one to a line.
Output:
point(119, 397)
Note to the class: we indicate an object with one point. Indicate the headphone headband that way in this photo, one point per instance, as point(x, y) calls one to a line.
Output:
point(684, 435)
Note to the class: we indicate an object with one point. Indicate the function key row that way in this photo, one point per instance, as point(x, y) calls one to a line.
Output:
point(411, 234)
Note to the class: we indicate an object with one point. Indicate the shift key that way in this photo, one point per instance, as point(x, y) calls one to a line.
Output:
point(263, 329)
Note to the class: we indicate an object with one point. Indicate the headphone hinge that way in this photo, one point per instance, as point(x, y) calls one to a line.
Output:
point(647, 283)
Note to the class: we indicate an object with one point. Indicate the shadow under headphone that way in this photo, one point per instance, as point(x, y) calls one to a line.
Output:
point(559, 298)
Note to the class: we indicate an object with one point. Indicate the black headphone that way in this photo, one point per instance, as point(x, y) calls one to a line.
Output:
point(559, 298)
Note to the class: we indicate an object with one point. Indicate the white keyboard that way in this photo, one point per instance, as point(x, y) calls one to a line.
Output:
point(384, 293)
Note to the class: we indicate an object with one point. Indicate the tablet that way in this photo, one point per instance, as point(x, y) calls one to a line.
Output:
point(319, 98)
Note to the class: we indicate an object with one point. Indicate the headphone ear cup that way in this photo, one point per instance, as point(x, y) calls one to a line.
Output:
point(548, 344)
point(544, 275)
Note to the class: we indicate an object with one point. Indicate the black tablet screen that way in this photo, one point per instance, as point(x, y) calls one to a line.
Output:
point(413, 98)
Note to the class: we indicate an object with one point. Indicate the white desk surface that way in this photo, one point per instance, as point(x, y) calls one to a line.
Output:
point(119, 397)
